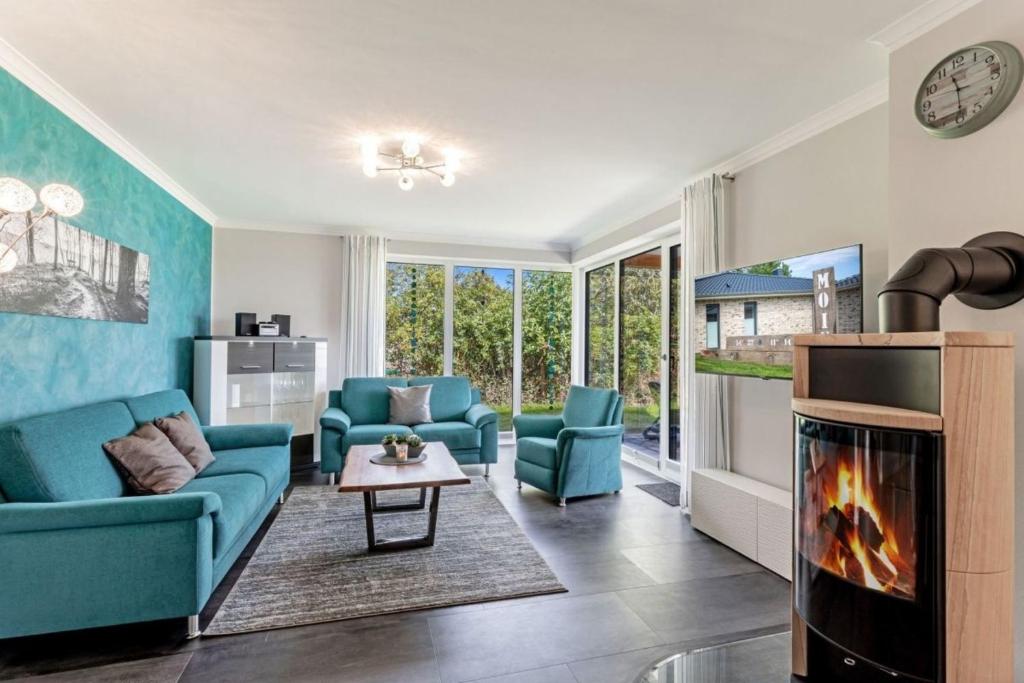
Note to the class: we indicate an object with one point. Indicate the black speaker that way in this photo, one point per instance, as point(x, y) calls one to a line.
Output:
point(244, 324)
point(284, 324)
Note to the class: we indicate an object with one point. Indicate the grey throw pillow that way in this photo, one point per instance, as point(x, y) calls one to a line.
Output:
point(187, 438)
point(410, 405)
point(150, 461)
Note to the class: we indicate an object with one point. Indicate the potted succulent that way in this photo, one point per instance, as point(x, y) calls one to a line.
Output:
point(416, 445)
point(388, 442)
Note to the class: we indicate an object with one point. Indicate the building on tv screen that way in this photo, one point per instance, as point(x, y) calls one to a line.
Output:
point(746, 318)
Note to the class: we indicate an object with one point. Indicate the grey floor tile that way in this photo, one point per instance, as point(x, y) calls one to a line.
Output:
point(708, 607)
point(584, 573)
point(549, 674)
point(154, 670)
point(702, 559)
point(519, 638)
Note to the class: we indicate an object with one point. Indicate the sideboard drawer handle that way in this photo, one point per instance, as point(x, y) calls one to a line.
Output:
point(251, 367)
point(295, 365)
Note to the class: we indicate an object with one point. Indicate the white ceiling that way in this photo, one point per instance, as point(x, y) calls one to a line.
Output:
point(574, 116)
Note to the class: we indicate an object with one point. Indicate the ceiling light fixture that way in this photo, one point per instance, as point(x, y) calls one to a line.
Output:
point(405, 158)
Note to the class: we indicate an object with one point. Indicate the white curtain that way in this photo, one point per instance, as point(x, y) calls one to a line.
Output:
point(706, 437)
point(363, 307)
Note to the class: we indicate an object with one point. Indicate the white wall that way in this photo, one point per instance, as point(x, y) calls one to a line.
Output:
point(274, 272)
point(828, 191)
point(943, 192)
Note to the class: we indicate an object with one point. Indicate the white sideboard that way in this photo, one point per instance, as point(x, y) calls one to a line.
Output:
point(750, 517)
point(246, 380)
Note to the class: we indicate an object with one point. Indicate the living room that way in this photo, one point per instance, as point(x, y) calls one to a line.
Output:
point(644, 362)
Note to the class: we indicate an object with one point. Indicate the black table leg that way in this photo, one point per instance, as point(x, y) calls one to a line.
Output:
point(401, 543)
point(399, 506)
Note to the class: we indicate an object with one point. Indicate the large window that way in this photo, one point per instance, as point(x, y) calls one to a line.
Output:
point(415, 320)
point(640, 347)
point(600, 331)
point(483, 334)
point(547, 340)
point(750, 318)
point(711, 320)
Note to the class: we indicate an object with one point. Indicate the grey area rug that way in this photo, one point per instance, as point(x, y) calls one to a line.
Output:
point(666, 492)
point(313, 566)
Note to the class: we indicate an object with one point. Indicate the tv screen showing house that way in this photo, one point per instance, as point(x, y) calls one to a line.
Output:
point(746, 317)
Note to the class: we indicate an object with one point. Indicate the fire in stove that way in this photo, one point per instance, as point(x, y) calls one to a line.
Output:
point(857, 518)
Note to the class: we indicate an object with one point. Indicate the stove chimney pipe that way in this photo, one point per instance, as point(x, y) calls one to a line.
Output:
point(986, 273)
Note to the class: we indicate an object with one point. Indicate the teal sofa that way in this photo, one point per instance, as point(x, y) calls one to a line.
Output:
point(577, 453)
point(79, 551)
point(358, 415)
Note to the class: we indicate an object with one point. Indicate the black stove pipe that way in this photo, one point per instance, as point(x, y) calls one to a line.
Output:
point(987, 272)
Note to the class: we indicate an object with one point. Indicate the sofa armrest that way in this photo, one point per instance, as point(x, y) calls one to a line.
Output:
point(106, 512)
point(545, 426)
point(336, 419)
point(590, 432)
point(479, 415)
point(225, 437)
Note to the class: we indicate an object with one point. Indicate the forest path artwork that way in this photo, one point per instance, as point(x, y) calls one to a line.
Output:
point(65, 271)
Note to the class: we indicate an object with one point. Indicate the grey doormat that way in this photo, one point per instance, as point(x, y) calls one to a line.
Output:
point(313, 566)
point(666, 492)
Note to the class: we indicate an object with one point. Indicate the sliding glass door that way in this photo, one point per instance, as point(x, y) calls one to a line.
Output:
point(632, 341)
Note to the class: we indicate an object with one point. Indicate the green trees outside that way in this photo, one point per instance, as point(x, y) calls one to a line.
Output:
point(483, 331)
point(415, 320)
point(769, 268)
point(640, 338)
point(600, 322)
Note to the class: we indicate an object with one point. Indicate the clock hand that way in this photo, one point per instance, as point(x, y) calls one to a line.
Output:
point(957, 86)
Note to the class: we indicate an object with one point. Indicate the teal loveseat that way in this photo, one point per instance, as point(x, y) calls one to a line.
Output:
point(78, 551)
point(358, 415)
point(577, 453)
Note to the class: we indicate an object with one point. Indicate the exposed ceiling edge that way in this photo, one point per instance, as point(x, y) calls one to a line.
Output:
point(863, 101)
point(919, 21)
point(39, 82)
point(338, 230)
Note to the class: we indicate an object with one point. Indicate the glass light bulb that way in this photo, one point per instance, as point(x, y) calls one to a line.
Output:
point(370, 170)
point(9, 261)
point(16, 196)
point(406, 183)
point(448, 179)
point(452, 161)
point(370, 150)
point(63, 200)
point(411, 146)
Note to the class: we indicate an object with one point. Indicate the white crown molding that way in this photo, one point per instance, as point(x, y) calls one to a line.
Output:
point(432, 238)
point(855, 105)
point(919, 21)
point(35, 79)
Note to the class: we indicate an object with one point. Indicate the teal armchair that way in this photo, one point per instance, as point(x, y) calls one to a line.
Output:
point(577, 453)
point(358, 413)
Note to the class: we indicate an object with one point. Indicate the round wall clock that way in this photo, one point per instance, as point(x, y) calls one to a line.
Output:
point(968, 89)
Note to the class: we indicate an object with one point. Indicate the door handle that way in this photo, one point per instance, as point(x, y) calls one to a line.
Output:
point(251, 367)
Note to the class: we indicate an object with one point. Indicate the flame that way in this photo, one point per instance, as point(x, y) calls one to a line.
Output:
point(847, 540)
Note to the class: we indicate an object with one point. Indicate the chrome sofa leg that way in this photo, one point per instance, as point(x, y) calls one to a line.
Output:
point(561, 502)
point(193, 627)
point(519, 485)
point(487, 470)
point(280, 499)
point(330, 479)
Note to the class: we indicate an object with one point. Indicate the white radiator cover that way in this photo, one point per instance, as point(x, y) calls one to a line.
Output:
point(750, 517)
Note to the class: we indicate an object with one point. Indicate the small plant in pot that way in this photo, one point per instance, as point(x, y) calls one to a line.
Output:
point(388, 442)
point(416, 445)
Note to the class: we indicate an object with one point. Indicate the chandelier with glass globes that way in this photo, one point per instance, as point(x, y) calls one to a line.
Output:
point(406, 159)
point(16, 197)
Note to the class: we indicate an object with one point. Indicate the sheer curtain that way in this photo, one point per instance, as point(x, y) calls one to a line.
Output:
point(363, 308)
point(706, 440)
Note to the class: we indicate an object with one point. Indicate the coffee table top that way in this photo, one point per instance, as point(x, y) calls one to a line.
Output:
point(439, 469)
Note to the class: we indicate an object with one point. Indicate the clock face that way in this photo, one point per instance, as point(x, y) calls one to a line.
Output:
point(968, 89)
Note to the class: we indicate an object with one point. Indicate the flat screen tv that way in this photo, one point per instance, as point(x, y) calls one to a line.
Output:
point(746, 317)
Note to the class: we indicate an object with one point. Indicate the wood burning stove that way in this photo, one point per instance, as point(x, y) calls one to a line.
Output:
point(868, 532)
point(903, 508)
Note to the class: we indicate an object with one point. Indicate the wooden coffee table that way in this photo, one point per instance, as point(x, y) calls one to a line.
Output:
point(361, 475)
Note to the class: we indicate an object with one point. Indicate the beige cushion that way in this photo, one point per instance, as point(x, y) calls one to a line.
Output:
point(410, 405)
point(150, 461)
point(187, 438)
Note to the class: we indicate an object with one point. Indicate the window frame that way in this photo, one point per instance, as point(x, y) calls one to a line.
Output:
point(750, 306)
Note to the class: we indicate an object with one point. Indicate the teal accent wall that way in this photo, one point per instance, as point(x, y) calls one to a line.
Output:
point(49, 364)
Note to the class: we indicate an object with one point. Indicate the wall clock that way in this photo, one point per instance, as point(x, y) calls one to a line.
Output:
point(968, 89)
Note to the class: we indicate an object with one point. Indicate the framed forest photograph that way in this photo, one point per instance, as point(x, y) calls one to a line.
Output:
point(58, 269)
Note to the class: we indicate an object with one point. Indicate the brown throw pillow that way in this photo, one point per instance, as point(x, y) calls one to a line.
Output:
point(150, 461)
point(187, 438)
